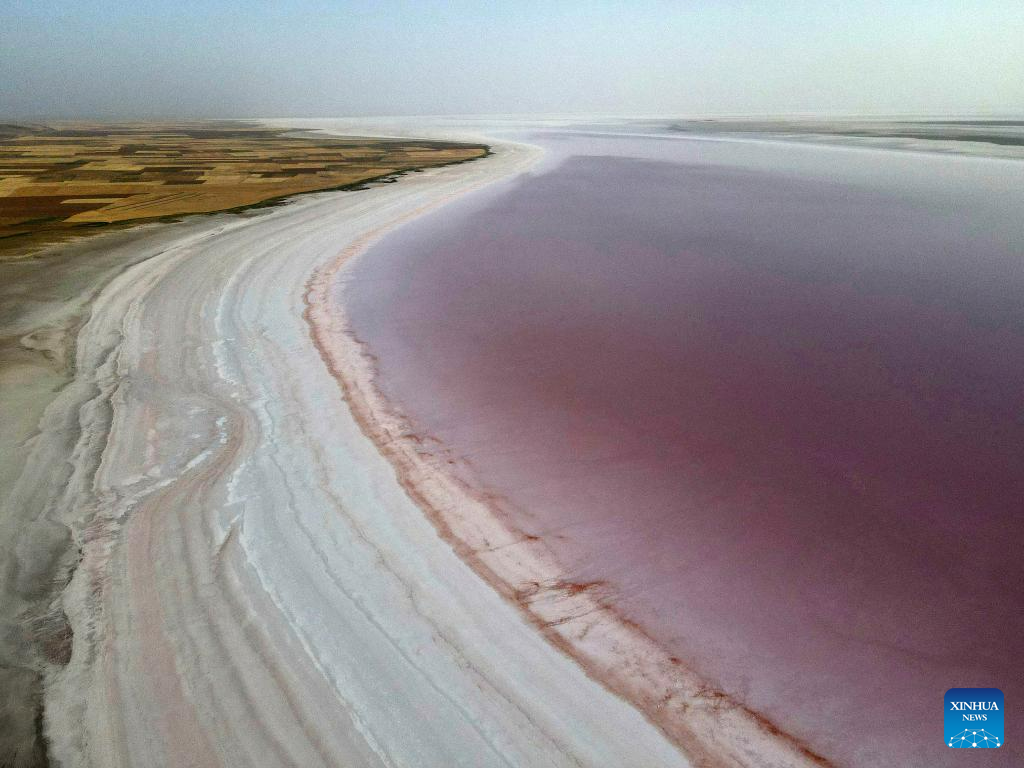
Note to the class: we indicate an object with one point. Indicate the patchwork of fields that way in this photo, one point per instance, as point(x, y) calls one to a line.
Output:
point(61, 180)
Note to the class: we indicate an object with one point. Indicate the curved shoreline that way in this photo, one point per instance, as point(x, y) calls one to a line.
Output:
point(255, 588)
point(708, 726)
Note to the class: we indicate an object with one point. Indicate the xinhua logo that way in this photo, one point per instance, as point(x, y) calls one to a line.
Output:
point(974, 718)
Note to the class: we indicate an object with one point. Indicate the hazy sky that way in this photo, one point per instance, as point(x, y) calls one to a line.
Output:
point(224, 58)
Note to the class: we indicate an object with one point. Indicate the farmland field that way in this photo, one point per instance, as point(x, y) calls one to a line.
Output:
point(61, 180)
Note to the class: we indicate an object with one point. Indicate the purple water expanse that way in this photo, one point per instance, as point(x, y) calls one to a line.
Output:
point(772, 395)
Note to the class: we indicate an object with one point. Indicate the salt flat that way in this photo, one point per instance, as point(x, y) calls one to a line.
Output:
point(255, 588)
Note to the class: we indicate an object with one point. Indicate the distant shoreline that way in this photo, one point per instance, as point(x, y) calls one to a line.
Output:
point(977, 138)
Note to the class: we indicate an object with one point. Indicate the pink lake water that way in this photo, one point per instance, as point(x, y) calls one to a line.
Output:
point(771, 394)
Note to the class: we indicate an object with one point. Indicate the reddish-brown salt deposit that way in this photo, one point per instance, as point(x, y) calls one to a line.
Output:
point(765, 400)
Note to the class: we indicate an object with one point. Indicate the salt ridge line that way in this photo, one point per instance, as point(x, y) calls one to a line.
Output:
point(255, 587)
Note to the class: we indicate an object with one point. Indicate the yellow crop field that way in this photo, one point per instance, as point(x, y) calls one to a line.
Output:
point(61, 180)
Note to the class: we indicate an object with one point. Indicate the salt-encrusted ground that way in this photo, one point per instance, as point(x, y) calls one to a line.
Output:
point(255, 587)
